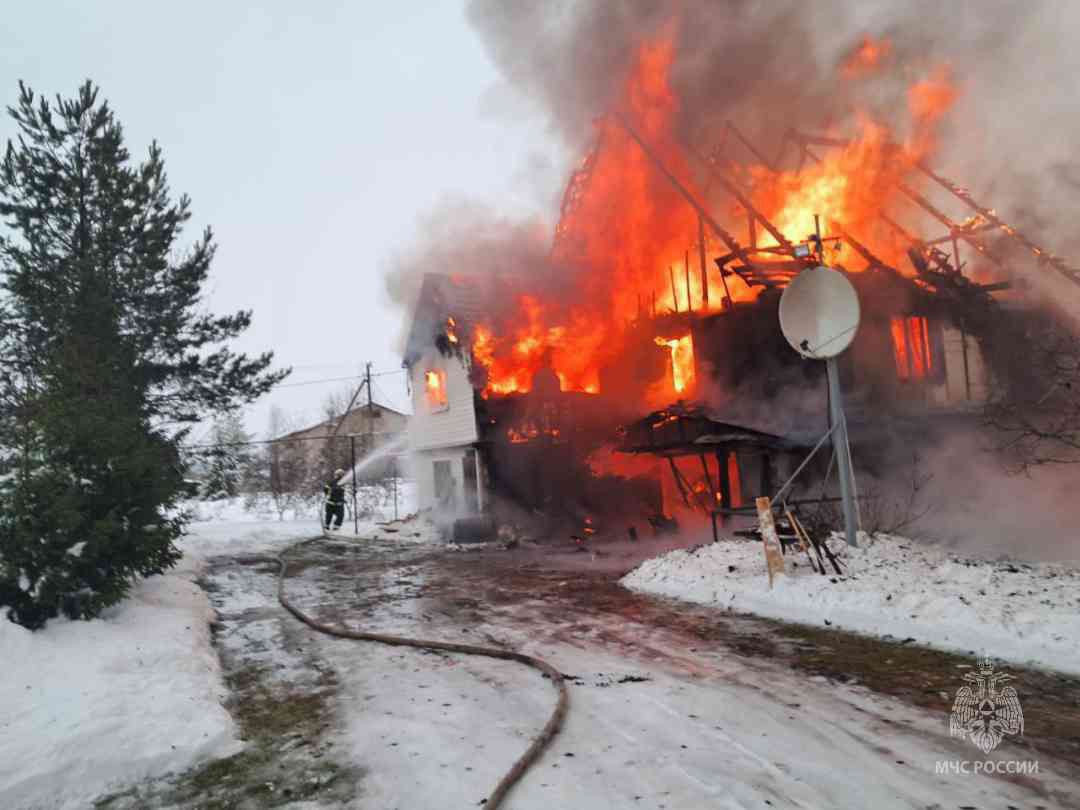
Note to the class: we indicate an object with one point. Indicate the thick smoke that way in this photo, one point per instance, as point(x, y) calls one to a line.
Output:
point(462, 236)
point(771, 66)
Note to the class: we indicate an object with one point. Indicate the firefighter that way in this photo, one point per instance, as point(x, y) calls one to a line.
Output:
point(335, 502)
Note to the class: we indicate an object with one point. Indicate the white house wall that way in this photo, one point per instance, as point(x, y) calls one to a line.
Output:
point(442, 434)
point(424, 470)
point(453, 425)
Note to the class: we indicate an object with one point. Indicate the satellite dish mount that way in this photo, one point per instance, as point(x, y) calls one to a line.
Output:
point(819, 316)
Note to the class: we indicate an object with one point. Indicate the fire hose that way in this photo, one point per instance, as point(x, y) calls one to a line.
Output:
point(540, 742)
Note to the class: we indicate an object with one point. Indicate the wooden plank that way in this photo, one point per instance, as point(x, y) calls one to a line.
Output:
point(686, 272)
point(701, 259)
point(774, 556)
point(804, 541)
point(678, 481)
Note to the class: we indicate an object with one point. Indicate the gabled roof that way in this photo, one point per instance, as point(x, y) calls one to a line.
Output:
point(686, 427)
point(442, 296)
point(327, 425)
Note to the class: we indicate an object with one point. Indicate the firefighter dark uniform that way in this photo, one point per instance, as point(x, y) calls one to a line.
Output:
point(335, 502)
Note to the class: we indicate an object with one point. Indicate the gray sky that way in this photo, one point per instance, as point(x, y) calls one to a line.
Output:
point(312, 137)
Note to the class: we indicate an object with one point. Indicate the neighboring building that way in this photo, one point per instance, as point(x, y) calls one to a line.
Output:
point(363, 429)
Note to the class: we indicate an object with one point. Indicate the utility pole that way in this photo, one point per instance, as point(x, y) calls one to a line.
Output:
point(352, 460)
point(370, 406)
point(370, 442)
point(370, 412)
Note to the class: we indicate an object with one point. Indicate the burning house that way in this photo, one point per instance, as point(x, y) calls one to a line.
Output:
point(641, 377)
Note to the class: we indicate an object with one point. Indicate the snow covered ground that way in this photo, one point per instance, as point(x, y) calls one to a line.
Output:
point(438, 731)
point(1022, 612)
point(377, 502)
point(138, 693)
point(651, 724)
point(86, 706)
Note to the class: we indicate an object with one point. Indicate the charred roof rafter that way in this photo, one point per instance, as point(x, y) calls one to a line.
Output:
point(962, 231)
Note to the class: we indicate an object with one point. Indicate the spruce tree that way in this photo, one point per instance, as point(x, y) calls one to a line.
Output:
point(107, 357)
point(229, 460)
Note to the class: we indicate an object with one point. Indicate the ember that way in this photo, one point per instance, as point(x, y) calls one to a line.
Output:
point(867, 58)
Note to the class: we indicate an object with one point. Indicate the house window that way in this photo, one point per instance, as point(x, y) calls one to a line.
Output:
point(435, 390)
point(912, 350)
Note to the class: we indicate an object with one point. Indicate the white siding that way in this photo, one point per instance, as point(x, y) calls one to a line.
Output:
point(424, 471)
point(452, 426)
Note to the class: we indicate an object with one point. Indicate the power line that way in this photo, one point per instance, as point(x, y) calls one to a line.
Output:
point(338, 379)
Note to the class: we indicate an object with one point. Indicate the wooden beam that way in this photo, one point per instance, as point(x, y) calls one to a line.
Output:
point(686, 273)
point(678, 480)
point(701, 259)
point(728, 239)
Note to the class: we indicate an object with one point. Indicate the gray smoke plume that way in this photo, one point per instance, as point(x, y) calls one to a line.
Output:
point(770, 66)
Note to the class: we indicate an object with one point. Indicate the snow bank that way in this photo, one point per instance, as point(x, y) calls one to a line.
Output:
point(1025, 613)
point(88, 707)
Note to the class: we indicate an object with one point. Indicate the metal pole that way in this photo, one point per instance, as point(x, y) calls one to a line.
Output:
point(352, 454)
point(369, 442)
point(393, 461)
point(840, 444)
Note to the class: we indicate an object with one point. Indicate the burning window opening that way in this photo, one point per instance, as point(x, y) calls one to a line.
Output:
point(682, 361)
point(734, 481)
point(911, 347)
point(435, 389)
point(447, 341)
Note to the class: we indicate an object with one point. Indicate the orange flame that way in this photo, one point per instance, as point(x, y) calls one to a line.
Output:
point(682, 361)
point(632, 239)
point(847, 189)
point(435, 388)
point(867, 58)
point(628, 228)
point(911, 347)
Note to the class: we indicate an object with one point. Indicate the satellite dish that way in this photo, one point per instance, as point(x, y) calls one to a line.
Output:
point(819, 313)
